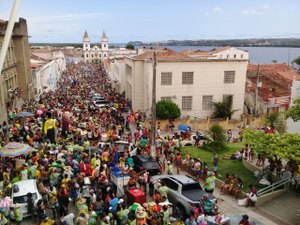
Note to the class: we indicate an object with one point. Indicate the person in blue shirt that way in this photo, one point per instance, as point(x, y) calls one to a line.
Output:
point(191, 220)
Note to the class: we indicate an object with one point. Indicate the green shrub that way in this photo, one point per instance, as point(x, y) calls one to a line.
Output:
point(167, 109)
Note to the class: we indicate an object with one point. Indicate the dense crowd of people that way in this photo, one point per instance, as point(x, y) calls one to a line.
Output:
point(73, 156)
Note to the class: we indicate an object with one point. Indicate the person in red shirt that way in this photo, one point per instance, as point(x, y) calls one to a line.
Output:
point(245, 220)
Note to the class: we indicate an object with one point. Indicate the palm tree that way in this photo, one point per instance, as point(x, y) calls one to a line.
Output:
point(277, 122)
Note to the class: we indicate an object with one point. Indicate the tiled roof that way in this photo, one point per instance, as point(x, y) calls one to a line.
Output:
point(276, 80)
point(162, 54)
point(197, 53)
point(218, 50)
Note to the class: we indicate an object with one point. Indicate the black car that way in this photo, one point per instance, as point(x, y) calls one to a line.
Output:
point(142, 162)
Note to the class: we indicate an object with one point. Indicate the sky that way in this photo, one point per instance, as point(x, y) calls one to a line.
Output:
point(64, 21)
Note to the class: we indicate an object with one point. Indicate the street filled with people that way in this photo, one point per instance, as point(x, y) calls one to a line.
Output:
point(89, 156)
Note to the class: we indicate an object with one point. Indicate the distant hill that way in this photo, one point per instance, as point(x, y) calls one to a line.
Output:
point(259, 42)
point(272, 42)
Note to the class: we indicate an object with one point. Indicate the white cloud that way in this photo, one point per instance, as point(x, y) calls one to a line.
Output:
point(245, 12)
point(217, 9)
point(265, 6)
point(251, 12)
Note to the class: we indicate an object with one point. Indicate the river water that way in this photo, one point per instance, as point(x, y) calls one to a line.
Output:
point(262, 55)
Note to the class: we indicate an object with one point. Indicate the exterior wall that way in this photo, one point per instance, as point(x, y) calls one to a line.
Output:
point(231, 52)
point(46, 77)
point(20, 37)
point(250, 102)
point(294, 127)
point(16, 73)
point(208, 80)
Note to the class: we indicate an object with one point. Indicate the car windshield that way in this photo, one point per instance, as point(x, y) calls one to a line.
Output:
point(23, 199)
point(121, 147)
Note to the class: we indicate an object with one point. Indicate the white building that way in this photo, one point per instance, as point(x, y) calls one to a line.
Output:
point(95, 53)
point(47, 68)
point(192, 79)
point(294, 127)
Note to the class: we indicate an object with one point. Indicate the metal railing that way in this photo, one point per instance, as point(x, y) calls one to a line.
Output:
point(274, 186)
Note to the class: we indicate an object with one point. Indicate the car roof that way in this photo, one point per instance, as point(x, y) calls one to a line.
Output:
point(145, 158)
point(25, 186)
point(122, 142)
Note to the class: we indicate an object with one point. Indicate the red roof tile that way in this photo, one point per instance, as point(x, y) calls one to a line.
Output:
point(276, 80)
point(162, 54)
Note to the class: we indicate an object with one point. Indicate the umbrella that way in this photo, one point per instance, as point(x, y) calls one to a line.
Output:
point(13, 149)
point(184, 127)
point(24, 114)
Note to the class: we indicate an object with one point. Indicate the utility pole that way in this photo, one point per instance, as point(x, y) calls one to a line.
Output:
point(256, 91)
point(153, 109)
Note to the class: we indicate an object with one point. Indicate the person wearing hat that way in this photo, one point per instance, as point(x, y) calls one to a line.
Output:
point(209, 186)
point(245, 220)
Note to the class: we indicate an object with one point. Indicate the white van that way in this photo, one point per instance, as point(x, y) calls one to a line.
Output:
point(19, 194)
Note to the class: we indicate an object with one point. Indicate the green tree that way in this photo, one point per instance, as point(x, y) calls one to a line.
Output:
point(294, 111)
point(166, 109)
point(284, 145)
point(222, 110)
point(130, 46)
point(217, 141)
point(297, 61)
point(277, 122)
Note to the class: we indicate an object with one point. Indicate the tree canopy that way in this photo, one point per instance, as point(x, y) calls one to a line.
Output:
point(166, 109)
point(294, 111)
point(284, 145)
point(297, 61)
point(222, 110)
point(218, 139)
point(130, 46)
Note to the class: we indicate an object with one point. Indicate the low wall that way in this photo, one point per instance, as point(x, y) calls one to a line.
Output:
point(268, 197)
point(251, 167)
point(205, 123)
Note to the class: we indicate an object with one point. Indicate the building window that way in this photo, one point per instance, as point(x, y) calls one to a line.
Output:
point(86, 45)
point(166, 78)
point(207, 102)
point(227, 56)
point(234, 56)
point(128, 70)
point(168, 98)
point(92, 56)
point(187, 102)
point(242, 56)
point(87, 55)
point(104, 45)
point(229, 77)
point(104, 55)
point(187, 77)
point(99, 55)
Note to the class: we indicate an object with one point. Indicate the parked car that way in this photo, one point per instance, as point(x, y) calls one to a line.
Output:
point(122, 144)
point(142, 162)
point(101, 103)
point(184, 192)
point(191, 141)
point(19, 194)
